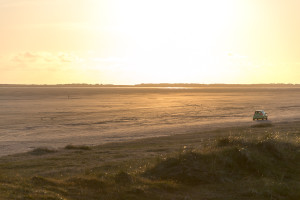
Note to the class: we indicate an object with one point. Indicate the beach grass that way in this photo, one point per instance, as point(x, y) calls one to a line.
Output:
point(258, 162)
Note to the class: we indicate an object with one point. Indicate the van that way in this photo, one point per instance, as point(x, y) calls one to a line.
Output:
point(260, 114)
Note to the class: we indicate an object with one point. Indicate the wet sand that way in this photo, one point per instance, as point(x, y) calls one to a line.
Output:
point(56, 117)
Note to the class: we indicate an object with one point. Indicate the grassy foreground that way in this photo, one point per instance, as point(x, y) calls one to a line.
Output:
point(257, 162)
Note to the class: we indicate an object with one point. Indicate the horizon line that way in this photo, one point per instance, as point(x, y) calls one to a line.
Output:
point(149, 84)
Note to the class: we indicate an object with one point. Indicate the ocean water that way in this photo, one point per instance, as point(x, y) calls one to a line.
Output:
point(55, 116)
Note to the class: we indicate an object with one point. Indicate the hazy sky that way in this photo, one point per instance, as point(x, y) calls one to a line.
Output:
point(141, 41)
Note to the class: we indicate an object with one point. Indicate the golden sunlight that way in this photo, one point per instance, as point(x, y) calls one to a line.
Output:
point(128, 42)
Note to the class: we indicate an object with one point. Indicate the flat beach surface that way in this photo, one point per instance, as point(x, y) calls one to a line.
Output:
point(55, 117)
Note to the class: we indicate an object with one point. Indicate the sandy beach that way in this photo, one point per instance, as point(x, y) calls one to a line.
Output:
point(55, 117)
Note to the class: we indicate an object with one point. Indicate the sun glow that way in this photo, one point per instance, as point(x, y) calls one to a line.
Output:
point(175, 41)
point(128, 42)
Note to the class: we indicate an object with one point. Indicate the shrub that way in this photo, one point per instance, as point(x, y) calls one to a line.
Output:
point(42, 151)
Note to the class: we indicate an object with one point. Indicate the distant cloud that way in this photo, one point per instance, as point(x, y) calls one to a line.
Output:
point(41, 61)
point(61, 61)
point(25, 57)
point(44, 57)
point(66, 57)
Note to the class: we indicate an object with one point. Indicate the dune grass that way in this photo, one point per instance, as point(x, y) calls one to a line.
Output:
point(229, 163)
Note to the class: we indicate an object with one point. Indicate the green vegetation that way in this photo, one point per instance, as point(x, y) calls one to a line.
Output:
point(260, 162)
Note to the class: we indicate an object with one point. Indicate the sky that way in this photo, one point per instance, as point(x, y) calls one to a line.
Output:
point(149, 41)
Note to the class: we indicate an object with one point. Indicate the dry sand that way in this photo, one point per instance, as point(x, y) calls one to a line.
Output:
point(55, 117)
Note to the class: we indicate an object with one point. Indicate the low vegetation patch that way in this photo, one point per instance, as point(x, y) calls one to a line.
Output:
point(80, 147)
point(42, 151)
point(232, 159)
point(246, 164)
